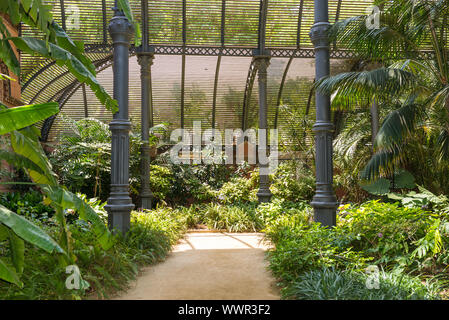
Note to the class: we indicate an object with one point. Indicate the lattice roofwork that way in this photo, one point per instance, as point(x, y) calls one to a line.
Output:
point(201, 30)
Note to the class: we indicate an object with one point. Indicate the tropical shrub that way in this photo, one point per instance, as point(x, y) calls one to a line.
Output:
point(240, 189)
point(395, 236)
point(293, 182)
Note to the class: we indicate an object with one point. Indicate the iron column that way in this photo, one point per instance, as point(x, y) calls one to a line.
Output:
point(119, 204)
point(264, 193)
point(145, 59)
point(324, 202)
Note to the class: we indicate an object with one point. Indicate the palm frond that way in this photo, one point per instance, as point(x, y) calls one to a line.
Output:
point(360, 87)
point(381, 162)
point(443, 145)
point(398, 124)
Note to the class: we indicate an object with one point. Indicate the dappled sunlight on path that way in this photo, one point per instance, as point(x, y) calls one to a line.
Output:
point(207, 265)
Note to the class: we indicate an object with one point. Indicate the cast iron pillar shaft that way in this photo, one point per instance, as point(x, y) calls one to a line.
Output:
point(324, 202)
point(264, 193)
point(145, 60)
point(119, 204)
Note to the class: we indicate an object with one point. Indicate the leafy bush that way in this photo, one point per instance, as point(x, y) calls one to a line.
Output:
point(240, 189)
point(82, 158)
point(29, 205)
point(392, 234)
point(161, 181)
point(303, 247)
point(293, 182)
point(232, 218)
point(331, 284)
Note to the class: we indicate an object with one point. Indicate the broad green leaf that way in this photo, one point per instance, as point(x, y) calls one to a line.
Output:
point(20, 161)
point(17, 248)
point(379, 187)
point(24, 116)
point(13, 11)
point(75, 66)
point(31, 148)
point(67, 200)
point(4, 232)
point(28, 231)
point(9, 275)
point(404, 179)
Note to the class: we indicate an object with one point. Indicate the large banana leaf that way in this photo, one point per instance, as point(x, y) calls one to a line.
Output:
point(18, 229)
point(24, 116)
point(9, 275)
point(63, 57)
point(28, 231)
point(17, 248)
point(25, 143)
point(65, 199)
point(19, 161)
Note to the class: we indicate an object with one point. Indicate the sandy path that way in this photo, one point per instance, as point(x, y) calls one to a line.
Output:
point(212, 266)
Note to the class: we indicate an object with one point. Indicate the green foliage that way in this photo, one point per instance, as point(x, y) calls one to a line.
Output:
point(379, 187)
point(108, 271)
point(423, 199)
point(408, 242)
point(161, 181)
point(331, 284)
point(30, 205)
point(240, 189)
point(23, 116)
point(414, 90)
point(386, 231)
point(19, 230)
point(293, 182)
point(82, 159)
point(56, 45)
point(303, 247)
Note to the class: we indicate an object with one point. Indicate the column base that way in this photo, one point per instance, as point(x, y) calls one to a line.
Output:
point(264, 195)
point(325, 212)
point(146, 201)
point(119, 217)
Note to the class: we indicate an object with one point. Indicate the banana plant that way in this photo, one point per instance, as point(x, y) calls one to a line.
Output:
point(27, 152)
point(55, 45)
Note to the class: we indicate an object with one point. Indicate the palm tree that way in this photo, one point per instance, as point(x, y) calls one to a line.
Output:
point(410, 46)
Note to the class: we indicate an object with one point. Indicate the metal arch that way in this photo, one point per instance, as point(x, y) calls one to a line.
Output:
point(96, 63)
point(262, 25)
point(287, 67)
point(37, 73)
point(252, 71)
point(65, 95)
point(281, 88)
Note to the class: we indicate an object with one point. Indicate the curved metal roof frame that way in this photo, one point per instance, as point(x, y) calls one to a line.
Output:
point(98, 44)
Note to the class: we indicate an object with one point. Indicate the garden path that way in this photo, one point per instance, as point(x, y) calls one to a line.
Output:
point(209, 266)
